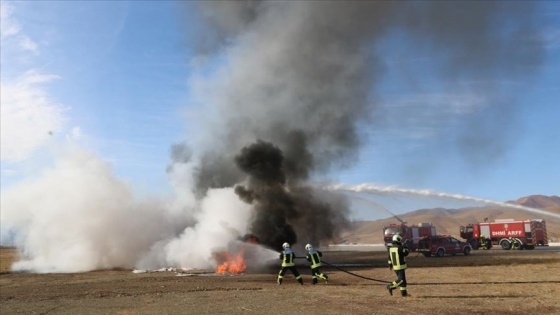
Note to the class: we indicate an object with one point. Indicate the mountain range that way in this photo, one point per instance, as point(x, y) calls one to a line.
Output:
point(448, 221)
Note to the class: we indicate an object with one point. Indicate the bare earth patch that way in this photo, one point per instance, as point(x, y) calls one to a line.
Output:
point(495, 281)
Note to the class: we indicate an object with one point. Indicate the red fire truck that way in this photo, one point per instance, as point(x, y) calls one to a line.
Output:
point(528, 233)
point(411, 234)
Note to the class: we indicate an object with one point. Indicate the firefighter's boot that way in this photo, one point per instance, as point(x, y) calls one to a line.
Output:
point(314, 280)
point(404, 293)
point(390, 289)
point(300, 280)
point(279, 281)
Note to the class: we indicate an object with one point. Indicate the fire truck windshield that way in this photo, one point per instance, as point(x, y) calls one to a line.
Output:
point(392, 231)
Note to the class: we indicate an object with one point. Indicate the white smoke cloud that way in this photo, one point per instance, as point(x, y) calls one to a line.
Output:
point(77, 216)
point(74, 217)
point(222, 217)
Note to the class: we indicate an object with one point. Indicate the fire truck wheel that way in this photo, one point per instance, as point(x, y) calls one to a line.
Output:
point(440, 252)
point(505, 244)
point(467, 251)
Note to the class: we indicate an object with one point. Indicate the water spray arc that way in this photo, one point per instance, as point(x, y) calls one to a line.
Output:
point(376, 205)
point(371, 188)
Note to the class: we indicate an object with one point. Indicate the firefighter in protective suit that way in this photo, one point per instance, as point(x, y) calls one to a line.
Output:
point(515, 244)
point(287, 256)
point(314, 257)
point(397, 262)
point(485, 242)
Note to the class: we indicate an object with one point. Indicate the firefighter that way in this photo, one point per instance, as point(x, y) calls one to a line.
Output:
point(397, 262)
point(287, 256)
point(485, 242)
point(515, 244)
point(488, 243)
point(314, 257)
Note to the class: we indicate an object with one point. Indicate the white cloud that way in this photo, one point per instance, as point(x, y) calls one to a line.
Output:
point(75, 134)
point(28, 116)
point(8, 172)
point(8, 27)
point(27, 44)
point(13, 39)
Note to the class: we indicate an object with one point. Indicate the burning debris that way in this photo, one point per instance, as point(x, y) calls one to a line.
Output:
point(231, 262)
point(243, 254)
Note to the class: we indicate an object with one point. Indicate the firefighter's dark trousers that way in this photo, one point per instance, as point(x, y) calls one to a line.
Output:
point(293, 270)
point(316, 273)
point(400, 282)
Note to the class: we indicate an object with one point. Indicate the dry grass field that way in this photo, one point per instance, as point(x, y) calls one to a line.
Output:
point(486, 282)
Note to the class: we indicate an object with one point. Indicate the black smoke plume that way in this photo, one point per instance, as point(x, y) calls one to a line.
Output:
point(283, 211)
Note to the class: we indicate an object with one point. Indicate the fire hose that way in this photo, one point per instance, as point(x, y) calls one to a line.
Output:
point(350, 273)
point(356, 275)
point(353, 274)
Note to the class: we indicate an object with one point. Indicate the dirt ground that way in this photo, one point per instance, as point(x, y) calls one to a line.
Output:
point(486, 282)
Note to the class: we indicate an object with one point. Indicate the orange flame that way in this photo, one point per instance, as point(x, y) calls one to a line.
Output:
point(231, 263)
point(234, 261)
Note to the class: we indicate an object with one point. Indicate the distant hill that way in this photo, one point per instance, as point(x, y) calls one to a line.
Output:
point(448, 221)
point(539, 202)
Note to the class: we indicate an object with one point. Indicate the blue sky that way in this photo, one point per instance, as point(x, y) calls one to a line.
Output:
point(119, 77)
point(115, 77)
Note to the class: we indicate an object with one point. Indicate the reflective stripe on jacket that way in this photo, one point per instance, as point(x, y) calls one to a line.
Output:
point(396, 257)
point(314, 258)
point(288, 258)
